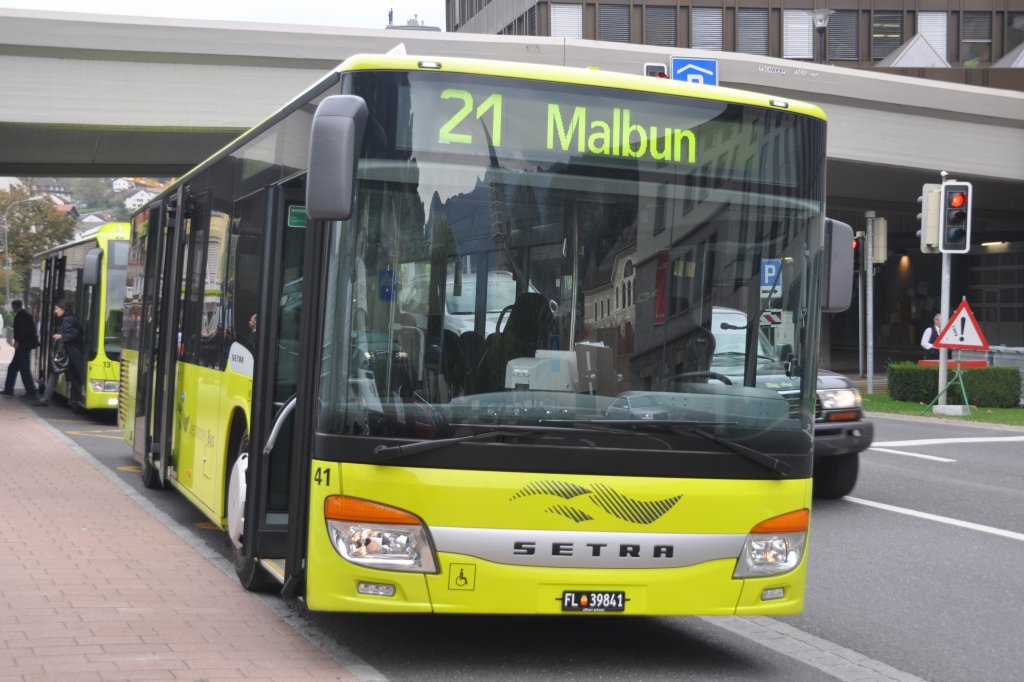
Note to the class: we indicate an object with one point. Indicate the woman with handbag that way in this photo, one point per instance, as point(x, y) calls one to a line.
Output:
point(67, 354)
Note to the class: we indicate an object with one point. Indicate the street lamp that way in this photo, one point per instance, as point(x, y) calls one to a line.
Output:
point(820, 24)
point(7, 247)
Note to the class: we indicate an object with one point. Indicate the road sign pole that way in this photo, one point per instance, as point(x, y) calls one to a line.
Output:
point(944, 311)
point(869, 305)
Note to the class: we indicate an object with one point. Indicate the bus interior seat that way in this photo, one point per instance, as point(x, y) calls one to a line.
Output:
point(472, 345)
point(529, 323)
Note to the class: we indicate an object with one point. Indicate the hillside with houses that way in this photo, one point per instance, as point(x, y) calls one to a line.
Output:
point(91, 201)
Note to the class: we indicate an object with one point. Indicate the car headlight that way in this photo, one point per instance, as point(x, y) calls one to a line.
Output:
point(774, 546)
point(378, 536)
point(839, 398)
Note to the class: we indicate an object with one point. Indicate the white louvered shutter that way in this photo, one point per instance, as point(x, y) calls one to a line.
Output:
point(798, 34)
point(566, 21)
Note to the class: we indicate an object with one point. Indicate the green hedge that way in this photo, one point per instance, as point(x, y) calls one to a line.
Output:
point(986, 386)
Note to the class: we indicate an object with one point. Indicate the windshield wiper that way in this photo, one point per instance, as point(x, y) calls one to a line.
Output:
point(767, 461)
point(383, 453)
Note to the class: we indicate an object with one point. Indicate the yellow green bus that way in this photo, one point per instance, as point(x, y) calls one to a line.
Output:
point(436, 337)
point(89, 273)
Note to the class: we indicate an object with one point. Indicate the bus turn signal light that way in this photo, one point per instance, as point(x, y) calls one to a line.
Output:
point(793, 522)
point(344, 508)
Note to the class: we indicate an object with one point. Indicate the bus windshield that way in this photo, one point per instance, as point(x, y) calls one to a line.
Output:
point(529, 253)
point(117, 269)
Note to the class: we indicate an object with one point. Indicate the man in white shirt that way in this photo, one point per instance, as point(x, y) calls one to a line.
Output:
point(930, 336)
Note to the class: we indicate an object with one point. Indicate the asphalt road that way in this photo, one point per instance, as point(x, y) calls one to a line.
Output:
point(916, 575)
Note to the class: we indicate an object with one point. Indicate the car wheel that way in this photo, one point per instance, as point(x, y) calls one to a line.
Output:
point(835, 476)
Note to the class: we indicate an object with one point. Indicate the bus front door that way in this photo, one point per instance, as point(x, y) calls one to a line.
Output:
point(272, 224)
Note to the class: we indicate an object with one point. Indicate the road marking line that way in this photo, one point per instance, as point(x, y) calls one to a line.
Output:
point(944, 441)
point(941, 519)
point(912, 454)
point(832, 659)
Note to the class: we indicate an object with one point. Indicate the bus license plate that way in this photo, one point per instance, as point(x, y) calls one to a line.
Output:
point(593, 602)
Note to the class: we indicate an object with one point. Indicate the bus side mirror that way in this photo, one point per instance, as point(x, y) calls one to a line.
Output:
point(837, 273)
point(334, 146)
point(91, 269)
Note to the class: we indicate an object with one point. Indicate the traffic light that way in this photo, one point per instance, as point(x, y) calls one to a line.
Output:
point(955, 228)
point(656, 70)
point(931, 206)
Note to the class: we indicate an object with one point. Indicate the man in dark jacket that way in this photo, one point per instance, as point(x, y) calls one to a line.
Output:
point(25, 340)
point(69, 334)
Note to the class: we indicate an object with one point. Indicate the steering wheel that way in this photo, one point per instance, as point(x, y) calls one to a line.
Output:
point(705, 375)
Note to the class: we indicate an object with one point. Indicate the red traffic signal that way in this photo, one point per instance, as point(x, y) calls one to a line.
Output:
point(955, 229)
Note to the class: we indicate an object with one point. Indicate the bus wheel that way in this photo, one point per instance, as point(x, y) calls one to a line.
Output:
point(150, 475)
point(247, 568)
point(835, 475)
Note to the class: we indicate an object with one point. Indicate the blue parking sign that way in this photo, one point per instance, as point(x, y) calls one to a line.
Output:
point(695, 70)
point(771, 276)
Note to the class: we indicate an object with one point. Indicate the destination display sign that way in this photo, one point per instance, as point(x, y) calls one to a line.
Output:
point(541, 121)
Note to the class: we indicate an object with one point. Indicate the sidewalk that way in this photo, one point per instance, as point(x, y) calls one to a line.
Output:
point(94, 586)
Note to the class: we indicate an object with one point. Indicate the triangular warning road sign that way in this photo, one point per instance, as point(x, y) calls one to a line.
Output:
point(962, 331)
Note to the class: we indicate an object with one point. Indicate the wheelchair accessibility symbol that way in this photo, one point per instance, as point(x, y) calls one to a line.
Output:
point(462, 577)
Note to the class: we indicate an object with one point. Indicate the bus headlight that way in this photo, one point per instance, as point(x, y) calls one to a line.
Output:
point(101, 386)
point(378, 536)
point(774, 546)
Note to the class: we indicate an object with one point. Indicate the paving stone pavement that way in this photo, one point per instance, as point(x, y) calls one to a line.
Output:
point(94, 587)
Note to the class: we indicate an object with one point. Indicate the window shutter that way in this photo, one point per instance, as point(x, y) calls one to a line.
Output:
point(886, 33)
point(842, 36)
point(566, 21)
point(753, 31)
point(932, 25)
point(706, 28)
point(977, 27)
point(798, 34)
point(613, 23)
point(660, 26)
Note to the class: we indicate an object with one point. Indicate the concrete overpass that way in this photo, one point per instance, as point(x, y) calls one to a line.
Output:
point(108, 95)
point(105, 95)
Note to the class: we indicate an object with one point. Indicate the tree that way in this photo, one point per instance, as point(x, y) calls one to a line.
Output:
point(32, 227)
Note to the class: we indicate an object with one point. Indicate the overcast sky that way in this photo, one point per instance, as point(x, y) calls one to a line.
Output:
point(358, 13)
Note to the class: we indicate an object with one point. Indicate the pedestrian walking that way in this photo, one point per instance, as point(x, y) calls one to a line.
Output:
point(67, 355)
point(25, 341)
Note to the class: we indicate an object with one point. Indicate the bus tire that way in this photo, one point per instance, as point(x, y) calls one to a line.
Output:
point(251, 576)
point(150, 475)
point(835, 475)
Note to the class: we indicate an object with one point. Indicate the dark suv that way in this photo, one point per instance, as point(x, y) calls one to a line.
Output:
point(840, 431)
point(840, 434)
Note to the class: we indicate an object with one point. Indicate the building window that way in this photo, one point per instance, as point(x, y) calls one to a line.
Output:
point(842, 36)
point(706, 28)
point(886, 33)
point(797, 34)
point(932, 25)
point(1014, 30)
point(613, 23)
point(753, 31)
point(566, 21)
point(660, 26)
point(976, 37)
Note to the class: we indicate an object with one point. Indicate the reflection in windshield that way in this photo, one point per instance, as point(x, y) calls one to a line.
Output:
point(560, 287)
